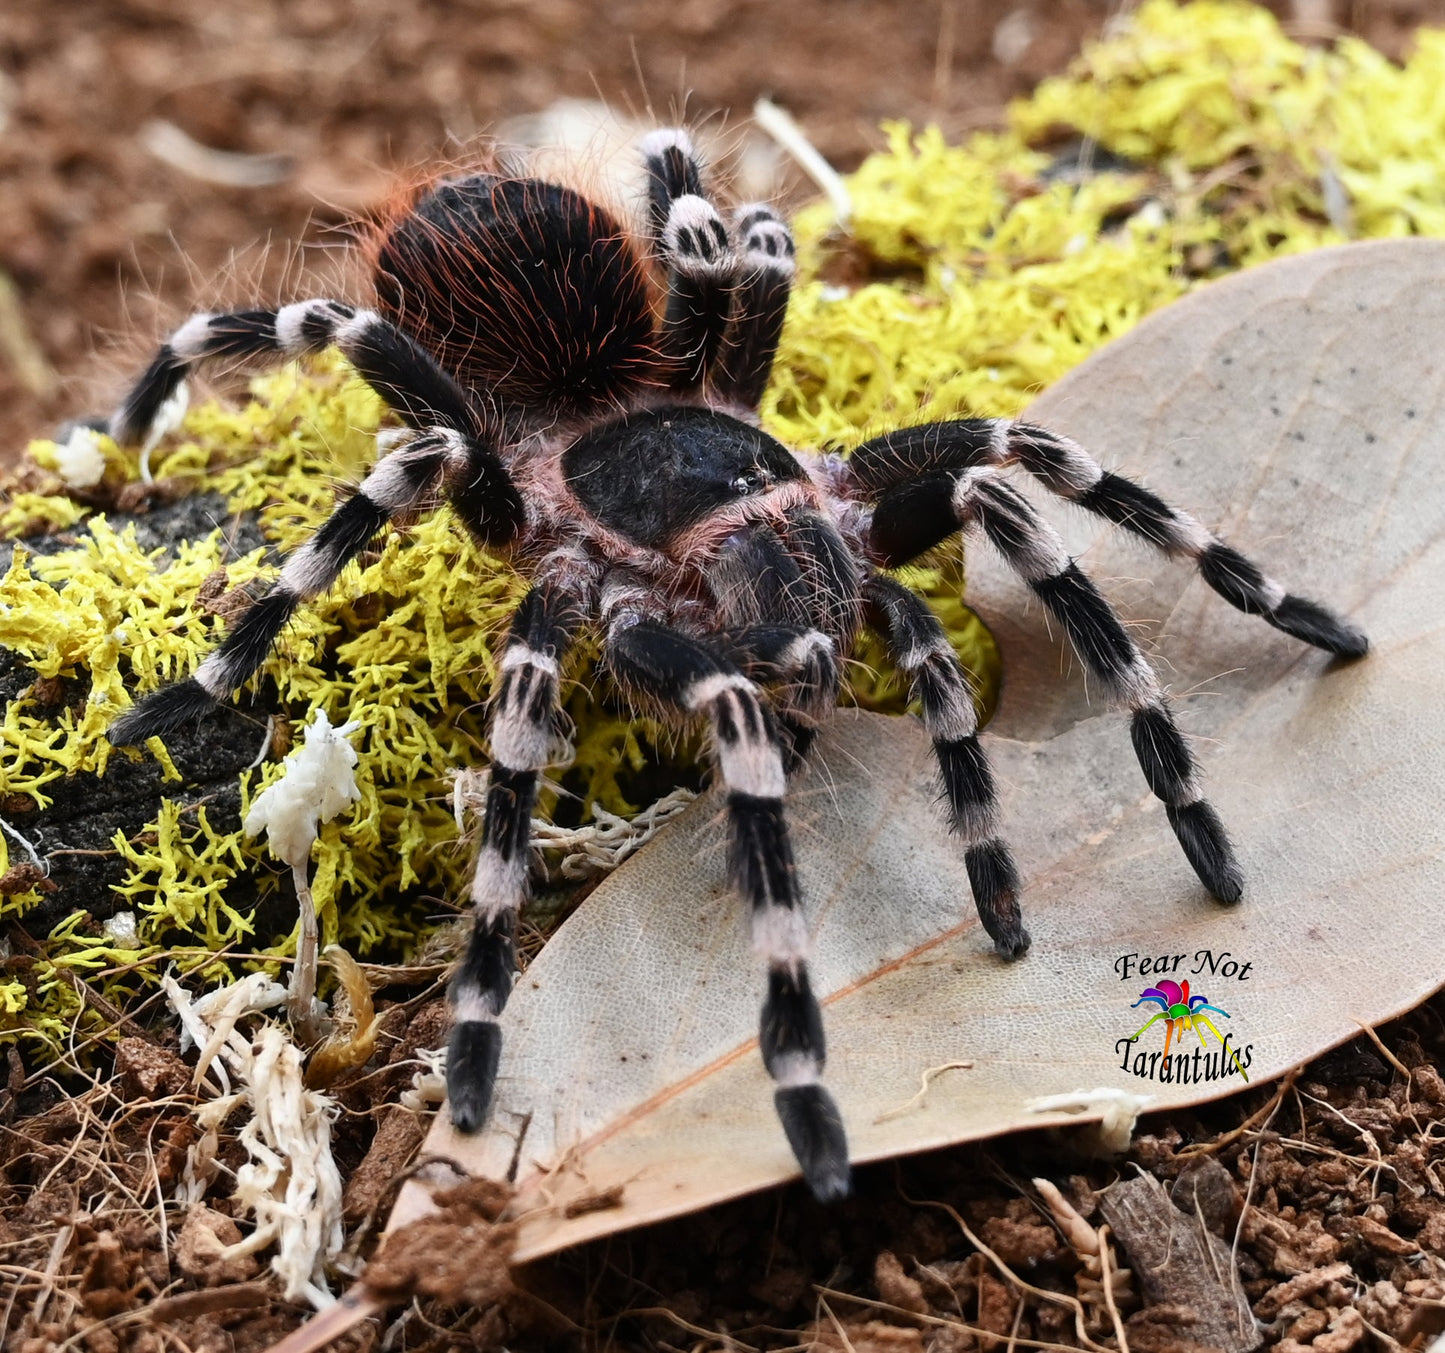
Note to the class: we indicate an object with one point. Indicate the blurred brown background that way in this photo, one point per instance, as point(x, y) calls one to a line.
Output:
point(109, 217)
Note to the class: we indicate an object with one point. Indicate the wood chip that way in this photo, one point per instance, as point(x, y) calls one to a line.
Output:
point(1179, 1263)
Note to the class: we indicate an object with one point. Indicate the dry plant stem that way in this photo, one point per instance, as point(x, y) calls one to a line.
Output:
point(1376, 1160)
point(117, 1018)
point(172, 146)
point(1315, 1149)
point(1262, 1115)
point(778, 123)
point(837, 1324)
point(320, 1331)
point(978, 1331)
point(233, 1297)
point(161, 1225)
point(301, 1004)
point(1106, 1272)
point(925, 1081)
point(1013, 1334)
point(1387, 1340)
point(52, 1267)
point(1043, 1293)
point(1385, 1052)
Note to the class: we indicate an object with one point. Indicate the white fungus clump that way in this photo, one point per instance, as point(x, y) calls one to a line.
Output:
point(317, 784)
point(78, 459)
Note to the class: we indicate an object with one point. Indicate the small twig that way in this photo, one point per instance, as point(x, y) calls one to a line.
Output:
point(1209, 1250)
point(189, 1305)
point(1366, 1135)
point(58, 1246)
point(1267, 1112)
point(265, 742)
point(162, 1225)
point(1385, 1052)
point(945, 1323)
point(1300, 1144)
point(1013, 1334)
point(1254, 1174)
point(231, 169)
point(837, 1324)
point(1043, 1293)
point(302, 1007)
point(663, 1313)
point(778, 123)
point(321, 1330)
point(117, 1018)
point(85, 1112)
point(927, 1079)
point(1106, 1277)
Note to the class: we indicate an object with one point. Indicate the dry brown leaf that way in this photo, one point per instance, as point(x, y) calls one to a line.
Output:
point(1300, 408)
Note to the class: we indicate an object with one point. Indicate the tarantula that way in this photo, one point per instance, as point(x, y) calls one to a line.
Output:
point(584, 396)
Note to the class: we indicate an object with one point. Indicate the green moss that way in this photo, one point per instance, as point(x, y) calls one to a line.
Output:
point(972, 277)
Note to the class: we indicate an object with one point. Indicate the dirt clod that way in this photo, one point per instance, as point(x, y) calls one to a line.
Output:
point(461, 1254)
point(148, 1071)
point(1205, 1188)
point(895, 1286)
point(205, 1235)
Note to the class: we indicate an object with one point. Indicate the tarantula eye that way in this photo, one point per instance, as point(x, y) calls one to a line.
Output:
point(744, 484)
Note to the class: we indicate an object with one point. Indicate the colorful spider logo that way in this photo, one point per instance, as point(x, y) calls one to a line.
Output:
point(1182, 1012)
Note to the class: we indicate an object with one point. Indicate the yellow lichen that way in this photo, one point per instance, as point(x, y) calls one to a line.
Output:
point(29, 513)
point(178, 876)
point(972, 276)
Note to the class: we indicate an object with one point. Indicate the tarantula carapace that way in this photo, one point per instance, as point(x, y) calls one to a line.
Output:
point(584, 394)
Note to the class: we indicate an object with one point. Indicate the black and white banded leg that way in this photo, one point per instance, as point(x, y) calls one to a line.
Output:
point(921, 649)
point(403, 480)
point(1033, 548)
point(1064, 467)
point(912, 465)
point(759, 303)
point(802, 664)
point(523, 731)
point(694, 245)
point(393, 364)
point(668, 666)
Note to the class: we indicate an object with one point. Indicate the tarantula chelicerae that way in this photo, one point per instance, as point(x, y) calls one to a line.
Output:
point(585, 399)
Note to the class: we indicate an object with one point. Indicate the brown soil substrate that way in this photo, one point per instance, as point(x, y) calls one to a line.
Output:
point(1323, 1193)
